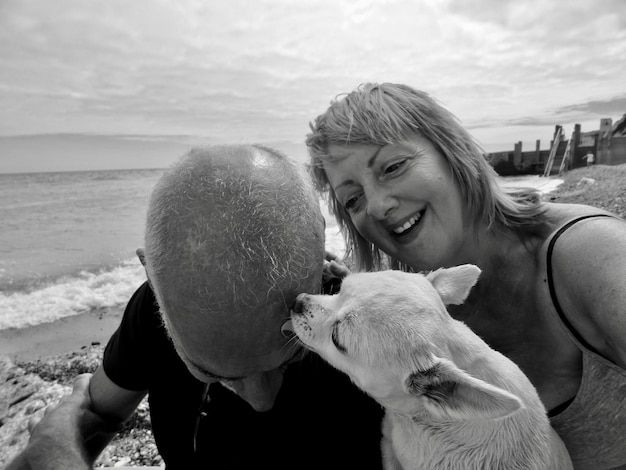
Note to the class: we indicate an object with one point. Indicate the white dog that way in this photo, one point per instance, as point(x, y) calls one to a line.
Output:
point(451, 401)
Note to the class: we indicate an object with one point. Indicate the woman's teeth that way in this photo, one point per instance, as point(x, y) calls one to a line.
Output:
point(407, 225)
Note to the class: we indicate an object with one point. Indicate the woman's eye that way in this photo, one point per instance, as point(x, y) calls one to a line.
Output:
point(351, 202)
point(393, 167)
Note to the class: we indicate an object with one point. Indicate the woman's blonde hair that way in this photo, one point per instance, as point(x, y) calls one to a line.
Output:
point(382, 114)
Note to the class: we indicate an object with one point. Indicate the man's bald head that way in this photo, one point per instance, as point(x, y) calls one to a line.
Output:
point(233, 234)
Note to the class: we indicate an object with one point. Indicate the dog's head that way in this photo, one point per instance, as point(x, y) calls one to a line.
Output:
point(391, 333)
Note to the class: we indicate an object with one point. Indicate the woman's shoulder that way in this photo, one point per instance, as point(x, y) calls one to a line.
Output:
point(586, 260)
point(574, 222)
point(576, 229)
point(558, 214)
point(577, 234)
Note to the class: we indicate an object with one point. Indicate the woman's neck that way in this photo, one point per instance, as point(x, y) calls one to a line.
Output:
point(489, 248)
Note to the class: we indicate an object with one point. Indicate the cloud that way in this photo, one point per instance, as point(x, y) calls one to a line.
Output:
point(264, 69)
point(615, 106)
point(587, 112)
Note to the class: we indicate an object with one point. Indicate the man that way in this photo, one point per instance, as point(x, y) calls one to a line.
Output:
point(233, 234)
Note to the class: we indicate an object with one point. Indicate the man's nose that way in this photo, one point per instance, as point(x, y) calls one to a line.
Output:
point(260, 390)
point(380, 203)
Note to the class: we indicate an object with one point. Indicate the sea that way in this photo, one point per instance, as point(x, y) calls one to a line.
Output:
point(68, 241)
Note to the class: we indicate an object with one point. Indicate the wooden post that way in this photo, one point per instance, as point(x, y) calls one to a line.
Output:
point(517, 155)
point(574, 157)
point(538, 151)
point(558, 135)
point(564, 167)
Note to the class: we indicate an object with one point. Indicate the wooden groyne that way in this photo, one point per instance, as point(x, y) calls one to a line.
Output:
point(608, 145)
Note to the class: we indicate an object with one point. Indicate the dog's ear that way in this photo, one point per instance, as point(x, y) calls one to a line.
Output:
point(449, 392)
point(454, 284)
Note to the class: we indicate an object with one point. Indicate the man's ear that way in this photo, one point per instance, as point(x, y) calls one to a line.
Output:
point(449, 392)
point(141, 255)
point(454, 284)
point(142, 259)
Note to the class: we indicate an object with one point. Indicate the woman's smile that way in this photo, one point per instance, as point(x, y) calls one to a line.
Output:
point(408, 224)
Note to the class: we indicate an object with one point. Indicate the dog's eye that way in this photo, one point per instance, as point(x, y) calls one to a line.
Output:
point(335, 338)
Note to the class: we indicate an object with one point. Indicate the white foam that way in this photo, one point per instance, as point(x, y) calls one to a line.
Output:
point(542, 184)
point(71, 296)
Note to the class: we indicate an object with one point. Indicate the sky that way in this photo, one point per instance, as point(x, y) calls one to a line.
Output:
point(78, 74)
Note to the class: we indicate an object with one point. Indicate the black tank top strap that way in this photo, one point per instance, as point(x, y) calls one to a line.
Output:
point(553, 296)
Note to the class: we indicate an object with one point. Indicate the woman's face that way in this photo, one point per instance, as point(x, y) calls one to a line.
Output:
point(402, 198)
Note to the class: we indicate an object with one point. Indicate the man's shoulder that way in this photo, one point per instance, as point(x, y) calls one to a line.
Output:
point(143, 306)
point(140, 348)
point(145, 296)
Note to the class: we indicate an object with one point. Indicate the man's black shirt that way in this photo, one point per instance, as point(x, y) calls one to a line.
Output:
point(320, 419)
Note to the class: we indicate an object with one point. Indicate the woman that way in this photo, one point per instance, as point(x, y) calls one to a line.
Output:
point(411, 190)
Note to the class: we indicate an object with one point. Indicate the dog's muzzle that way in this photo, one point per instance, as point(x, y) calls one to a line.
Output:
point(298, 305)
point(297, 316)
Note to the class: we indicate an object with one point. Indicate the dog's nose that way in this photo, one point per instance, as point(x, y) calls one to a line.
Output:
point(298, 305)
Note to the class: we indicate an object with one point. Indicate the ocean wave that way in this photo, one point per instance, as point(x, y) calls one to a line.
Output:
point(73, 295)
point(70, 296)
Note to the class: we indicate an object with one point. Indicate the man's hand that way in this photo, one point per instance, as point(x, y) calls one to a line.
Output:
point(332, 274)
point(59, 439)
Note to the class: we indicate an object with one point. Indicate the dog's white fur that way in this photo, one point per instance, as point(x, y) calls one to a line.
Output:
point(451, 401)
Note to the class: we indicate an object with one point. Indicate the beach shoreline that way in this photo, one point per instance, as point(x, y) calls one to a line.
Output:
point(73, 333)
point(62, 336)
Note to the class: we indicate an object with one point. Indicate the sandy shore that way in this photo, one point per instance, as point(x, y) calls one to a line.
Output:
point(62, 336)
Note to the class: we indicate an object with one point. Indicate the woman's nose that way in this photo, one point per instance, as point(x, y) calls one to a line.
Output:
point(380, 203)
